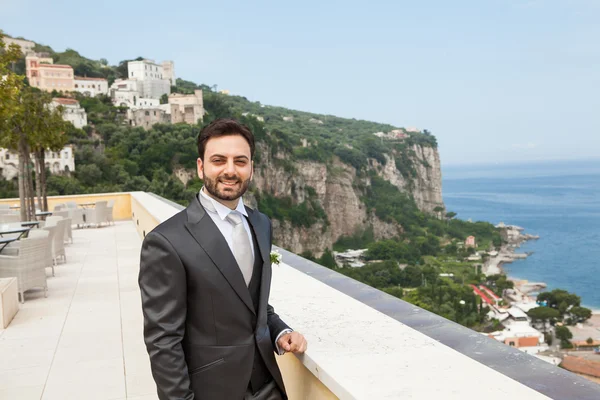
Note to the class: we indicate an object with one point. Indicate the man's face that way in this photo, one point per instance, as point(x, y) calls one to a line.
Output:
point(227, 168)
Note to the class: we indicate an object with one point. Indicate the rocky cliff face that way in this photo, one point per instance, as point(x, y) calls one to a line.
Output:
point(426, 186)
point(338, 191)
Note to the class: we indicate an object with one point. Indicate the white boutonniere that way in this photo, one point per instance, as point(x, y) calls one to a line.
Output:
point(276, 257)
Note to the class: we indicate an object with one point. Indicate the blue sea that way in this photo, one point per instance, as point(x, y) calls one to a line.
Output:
point(559, 201)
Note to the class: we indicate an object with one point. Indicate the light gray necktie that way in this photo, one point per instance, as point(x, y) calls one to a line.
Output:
point(242, 250)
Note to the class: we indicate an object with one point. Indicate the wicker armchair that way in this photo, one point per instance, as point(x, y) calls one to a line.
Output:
point(98, 215)
point(59, 215)
point(50, 235)
point(109, 212)
point(58, 241)
point(28, 266)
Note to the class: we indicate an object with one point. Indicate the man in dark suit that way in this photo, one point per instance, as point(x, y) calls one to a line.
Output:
point(205, 277)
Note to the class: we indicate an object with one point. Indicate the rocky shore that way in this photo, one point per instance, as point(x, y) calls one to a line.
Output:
point(514, 237)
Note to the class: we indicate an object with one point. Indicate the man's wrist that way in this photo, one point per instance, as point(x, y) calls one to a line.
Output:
point(281, 351)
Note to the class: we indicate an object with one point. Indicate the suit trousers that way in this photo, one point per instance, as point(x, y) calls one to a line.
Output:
point(269, 391)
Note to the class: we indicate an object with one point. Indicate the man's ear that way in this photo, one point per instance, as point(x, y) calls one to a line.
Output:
point(200, 166)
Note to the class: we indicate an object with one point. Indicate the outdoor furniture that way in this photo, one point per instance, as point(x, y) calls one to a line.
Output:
point(71, 204)
point(98, 215)
point(109, 211)
point(43, 213)
point(68, 226)
point(59, 207)
point(50, 234)
point(14, 230)
point(9, 300)
point(30, 224)
point(6, 241)
point(77, 216)
point(58, 241)
point(28, 266)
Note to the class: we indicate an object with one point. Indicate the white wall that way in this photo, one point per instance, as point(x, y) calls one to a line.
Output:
point(169, 71)
point(155, 88)
point(58, 162)
point(143, 70)
point(91, 87)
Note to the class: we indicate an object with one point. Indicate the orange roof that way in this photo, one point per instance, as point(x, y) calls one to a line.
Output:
point(54, 66)
point(81, 78)
point(65, 101)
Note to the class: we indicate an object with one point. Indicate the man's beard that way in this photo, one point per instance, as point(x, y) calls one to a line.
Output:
point(230, 193)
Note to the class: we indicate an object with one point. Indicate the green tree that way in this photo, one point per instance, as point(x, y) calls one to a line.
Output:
point(580, 314)
point(544, 315)
point(563, 333)
point(327, 259)
point(558, 296)
point(589, 340)
point(438, 211)
point(396, 291)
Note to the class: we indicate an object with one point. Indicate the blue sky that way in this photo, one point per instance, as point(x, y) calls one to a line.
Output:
point(495, 81)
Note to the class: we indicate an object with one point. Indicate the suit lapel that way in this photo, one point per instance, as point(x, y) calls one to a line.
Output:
point(208, 236)
point(261, 231)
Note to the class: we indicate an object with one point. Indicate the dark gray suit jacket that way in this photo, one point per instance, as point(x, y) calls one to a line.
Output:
point(198, 312)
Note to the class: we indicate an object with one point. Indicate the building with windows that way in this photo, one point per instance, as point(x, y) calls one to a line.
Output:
point(72, 111)
point(43, 74)
point(152, 82)
point(147, 117)
point(91, 87)
point(187, 108)
point(58, 162)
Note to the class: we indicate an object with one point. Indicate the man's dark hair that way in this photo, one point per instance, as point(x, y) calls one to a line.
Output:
point(224, 127)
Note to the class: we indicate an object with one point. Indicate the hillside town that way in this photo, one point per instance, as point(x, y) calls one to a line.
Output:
point(145, 94)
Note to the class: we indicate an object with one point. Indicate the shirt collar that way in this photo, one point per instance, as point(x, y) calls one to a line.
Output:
point(222, 210)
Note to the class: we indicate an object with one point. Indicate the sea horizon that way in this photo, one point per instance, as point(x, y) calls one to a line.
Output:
point(560, 202)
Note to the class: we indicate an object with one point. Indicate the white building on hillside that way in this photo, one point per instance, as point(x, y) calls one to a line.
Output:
point(72, 111)
point(187, 108)
point(91, 86)
point(169, 71)
point(59, 162)
point(150, 76)
point(124, 92)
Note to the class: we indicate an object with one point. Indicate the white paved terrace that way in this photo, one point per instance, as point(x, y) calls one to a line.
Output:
point(84, 341)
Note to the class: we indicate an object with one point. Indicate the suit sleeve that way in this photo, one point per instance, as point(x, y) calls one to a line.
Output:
point(276, 325)
point(162, 281)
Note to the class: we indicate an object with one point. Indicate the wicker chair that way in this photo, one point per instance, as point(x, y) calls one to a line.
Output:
point(76, 216)
point(59, 215)
point(58, 241)
point(98, 215)
point(50, 235)
point(28, 266)
point(109, 210)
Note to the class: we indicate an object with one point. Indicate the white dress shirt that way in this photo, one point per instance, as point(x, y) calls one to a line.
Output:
point(226, 229)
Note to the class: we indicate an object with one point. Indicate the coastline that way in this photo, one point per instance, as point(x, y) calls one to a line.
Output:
point(508, 253)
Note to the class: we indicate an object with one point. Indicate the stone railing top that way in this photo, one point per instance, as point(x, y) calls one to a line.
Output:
point(366, 344)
